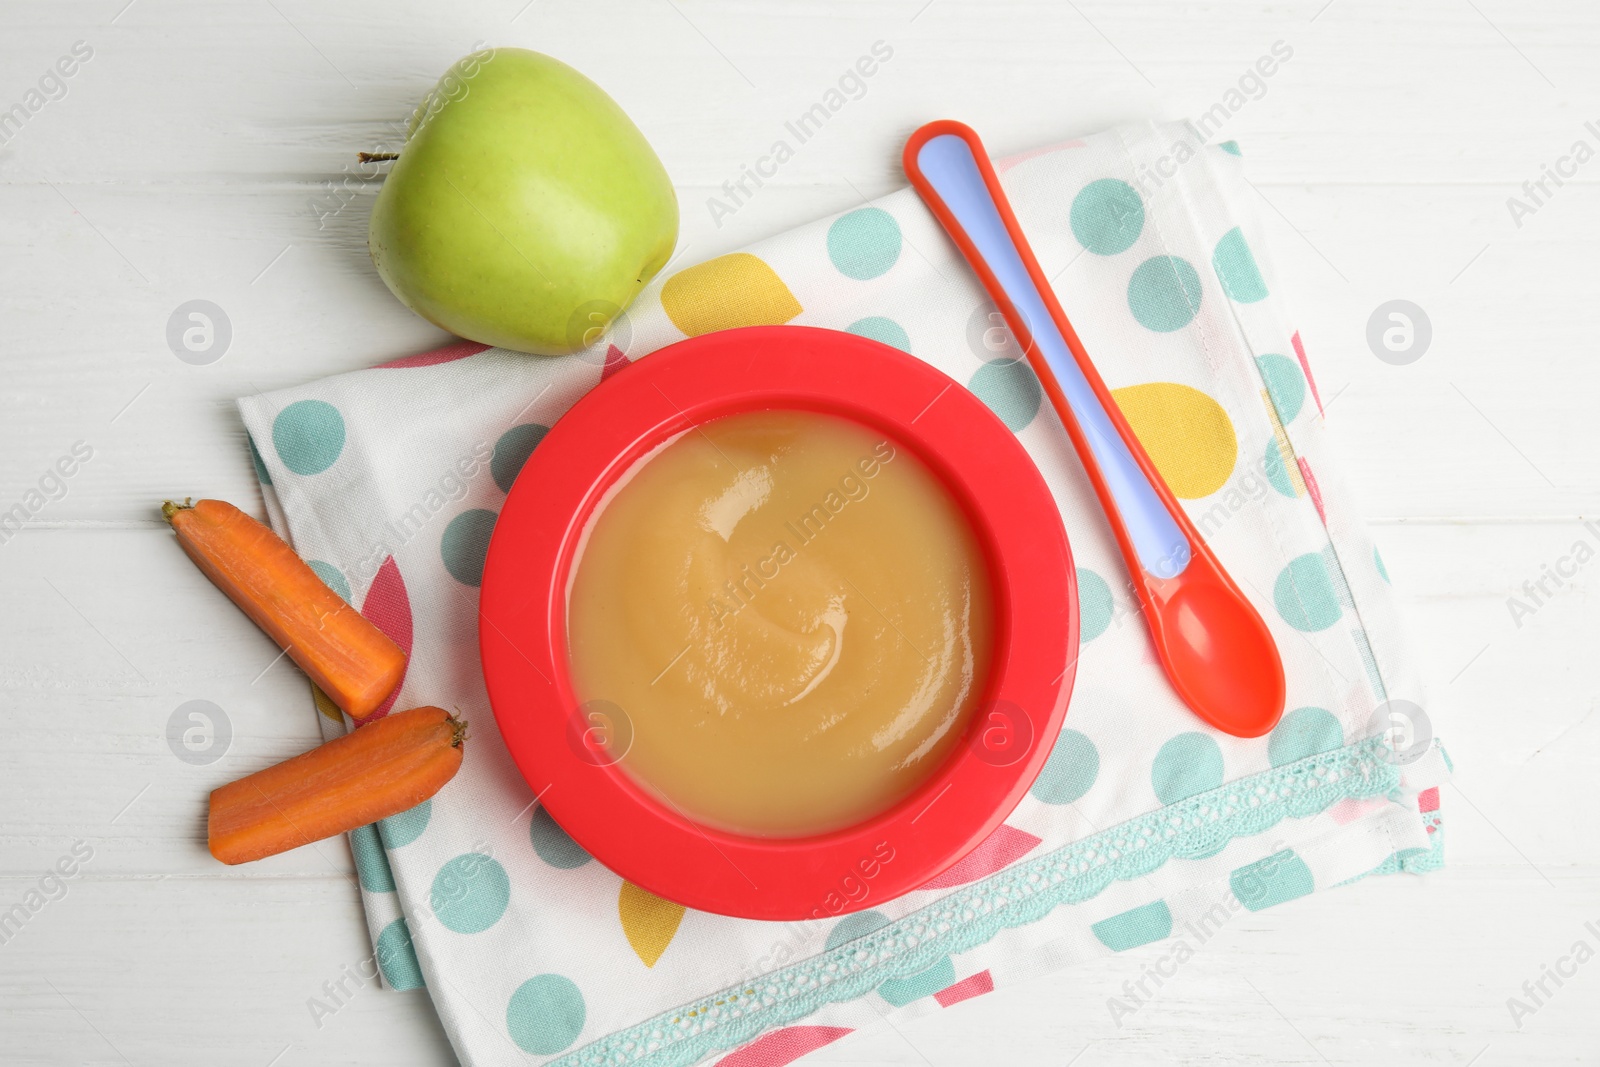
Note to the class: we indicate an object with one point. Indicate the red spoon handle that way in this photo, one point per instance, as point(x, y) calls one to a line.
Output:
point(1215, 647)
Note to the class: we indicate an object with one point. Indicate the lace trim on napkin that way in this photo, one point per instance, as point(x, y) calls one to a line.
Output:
point(1193, 828)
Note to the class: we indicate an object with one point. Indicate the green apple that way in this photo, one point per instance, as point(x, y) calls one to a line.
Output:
point(526, 210)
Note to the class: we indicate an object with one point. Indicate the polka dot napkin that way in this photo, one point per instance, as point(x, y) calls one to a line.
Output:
point(1145, 825)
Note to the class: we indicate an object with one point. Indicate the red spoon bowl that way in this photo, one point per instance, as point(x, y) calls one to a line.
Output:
point(564, 748)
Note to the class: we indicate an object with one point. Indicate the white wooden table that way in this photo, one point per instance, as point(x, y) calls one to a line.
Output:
point(201, 152)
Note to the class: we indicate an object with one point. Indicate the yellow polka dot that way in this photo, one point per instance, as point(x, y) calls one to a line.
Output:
point(720, 294)
point(649, 922)
point(1187, 434)
point(326, 706)
point(1285, 450)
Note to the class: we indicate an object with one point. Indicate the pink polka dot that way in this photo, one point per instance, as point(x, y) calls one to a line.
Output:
point(966, 989)
point(388, 607)
point(1003, 165)
point(1305, 365)
point(615, 361)
point(448, 354)
point(1311, 487)
point(783, 1046)
point(1350, 809)
point(998, 851)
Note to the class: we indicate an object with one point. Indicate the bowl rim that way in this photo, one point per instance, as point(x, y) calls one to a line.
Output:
point(557, 744)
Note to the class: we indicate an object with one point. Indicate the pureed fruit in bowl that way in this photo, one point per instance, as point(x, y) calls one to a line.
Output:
point(792, 613)
point(935, 752)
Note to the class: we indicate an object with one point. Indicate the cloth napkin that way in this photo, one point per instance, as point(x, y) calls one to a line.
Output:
point(1145, 825)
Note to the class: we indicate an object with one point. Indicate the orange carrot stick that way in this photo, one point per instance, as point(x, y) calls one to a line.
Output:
point(380, 770)
point(352, 660)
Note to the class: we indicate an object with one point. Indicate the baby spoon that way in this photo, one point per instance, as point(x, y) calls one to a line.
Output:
point(1216, 650)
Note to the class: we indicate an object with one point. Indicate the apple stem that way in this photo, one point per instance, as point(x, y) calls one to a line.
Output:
point(376, 157)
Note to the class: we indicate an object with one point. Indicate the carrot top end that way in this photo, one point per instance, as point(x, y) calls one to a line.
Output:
point(169, 508)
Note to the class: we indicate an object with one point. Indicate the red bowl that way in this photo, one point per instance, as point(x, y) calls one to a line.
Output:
point(561, 747)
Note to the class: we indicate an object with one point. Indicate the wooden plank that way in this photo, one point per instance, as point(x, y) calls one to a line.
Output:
point(1433, 91)
point(1468, 429)
point(163, 970)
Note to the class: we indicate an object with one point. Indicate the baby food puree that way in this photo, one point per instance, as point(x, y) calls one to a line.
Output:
point(793, 615)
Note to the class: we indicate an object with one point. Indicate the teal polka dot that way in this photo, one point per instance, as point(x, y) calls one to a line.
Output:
point(372, 866)
point(1276, 470)
point(1377, 560)
point(1280, 877)
point(1285, 384)
point(1073, 766)
point(1236, 268)
point(1303, 733)
point(397, 958)
point(332, 577)
point(1135, 927)
point(1095, 605)
point(263, 475)
point(1231, 147)
point(1107, 216)
point(865, 243)
point(309, 435)
point(1010, 390)
point(1188, 764)
point(1164, 293)
point(857, 924)
point(466, 544)
point(902, 991)
point(470, 893)
point(400, 830)
point(545, 1014)
point(552, 844)
point(897, 991)
point(887, 331)
point(1304, 594)
point(512, 451)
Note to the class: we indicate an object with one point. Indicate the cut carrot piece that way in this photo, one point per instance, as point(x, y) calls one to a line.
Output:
point(349, 658)
point(368, 774)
